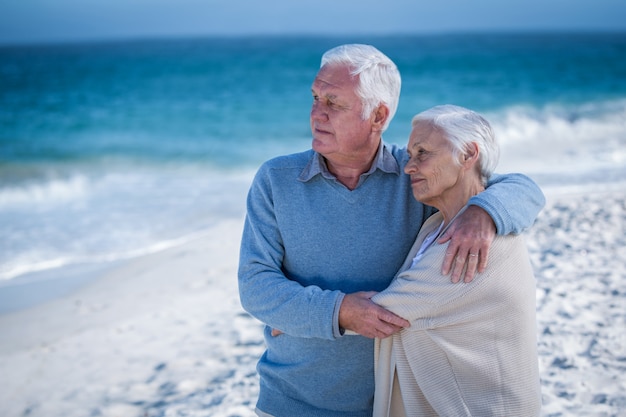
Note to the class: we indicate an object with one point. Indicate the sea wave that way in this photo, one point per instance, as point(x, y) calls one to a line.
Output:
point(105, 217)
point(29, 262)
point(48, 191)
point(560, 138)
point(584, 122)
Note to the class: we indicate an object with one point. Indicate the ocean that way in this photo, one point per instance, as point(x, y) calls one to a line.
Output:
point(112, 150)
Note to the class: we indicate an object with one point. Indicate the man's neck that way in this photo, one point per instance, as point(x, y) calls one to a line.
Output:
point(349, 172)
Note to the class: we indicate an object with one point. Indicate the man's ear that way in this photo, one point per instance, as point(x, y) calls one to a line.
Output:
point(380, 115)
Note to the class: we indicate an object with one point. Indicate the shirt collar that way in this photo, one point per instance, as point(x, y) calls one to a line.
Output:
point(384, 161)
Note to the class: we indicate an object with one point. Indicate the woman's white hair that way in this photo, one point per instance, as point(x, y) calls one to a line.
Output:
point(379, 78)
point(461, 126)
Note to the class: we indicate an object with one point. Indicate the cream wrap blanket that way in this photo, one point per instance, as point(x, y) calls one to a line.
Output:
point(471, 348)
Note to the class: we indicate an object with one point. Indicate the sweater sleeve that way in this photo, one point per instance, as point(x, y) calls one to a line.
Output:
point(513, 201)
point(265, 292)
point(425, 297)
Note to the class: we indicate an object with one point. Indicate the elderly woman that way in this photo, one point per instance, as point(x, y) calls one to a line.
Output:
point(471, 348)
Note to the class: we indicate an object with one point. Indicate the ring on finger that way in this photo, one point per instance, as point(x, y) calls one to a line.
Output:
point(473, 254)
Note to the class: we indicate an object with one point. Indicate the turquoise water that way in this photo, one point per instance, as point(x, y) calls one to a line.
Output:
point(109, 150)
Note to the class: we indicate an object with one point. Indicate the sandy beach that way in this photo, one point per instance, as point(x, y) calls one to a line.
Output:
point(165, 335)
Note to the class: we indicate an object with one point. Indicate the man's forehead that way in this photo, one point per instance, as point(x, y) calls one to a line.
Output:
point(335, 77)
point(328, 87)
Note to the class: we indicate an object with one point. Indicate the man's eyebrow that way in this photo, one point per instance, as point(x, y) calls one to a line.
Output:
point(330, 96)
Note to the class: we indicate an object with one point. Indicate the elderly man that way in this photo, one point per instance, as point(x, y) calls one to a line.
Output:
point(327, 228)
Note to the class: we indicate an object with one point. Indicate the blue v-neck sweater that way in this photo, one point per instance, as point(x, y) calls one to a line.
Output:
point(307, 241)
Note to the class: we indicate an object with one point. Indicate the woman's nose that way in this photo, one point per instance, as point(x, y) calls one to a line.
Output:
point(410, 167)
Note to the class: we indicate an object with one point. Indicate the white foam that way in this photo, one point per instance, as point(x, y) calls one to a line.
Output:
point(48, 191)
point(562, 139)
point(32, 263)
point(86, 219)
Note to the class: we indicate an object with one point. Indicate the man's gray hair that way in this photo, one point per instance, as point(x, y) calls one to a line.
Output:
point(379, 78)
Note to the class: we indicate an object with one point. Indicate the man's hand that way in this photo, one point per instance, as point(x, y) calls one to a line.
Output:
point(470, 237)
point(361, 315)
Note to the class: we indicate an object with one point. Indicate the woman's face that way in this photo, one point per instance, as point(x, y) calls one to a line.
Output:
point(431, 165)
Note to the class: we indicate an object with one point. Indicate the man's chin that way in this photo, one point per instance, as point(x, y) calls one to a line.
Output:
point(317, 145)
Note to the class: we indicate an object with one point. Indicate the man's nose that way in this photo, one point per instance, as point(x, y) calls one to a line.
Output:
point(318, 112)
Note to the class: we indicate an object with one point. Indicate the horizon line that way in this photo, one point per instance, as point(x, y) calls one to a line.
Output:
point(111, 39)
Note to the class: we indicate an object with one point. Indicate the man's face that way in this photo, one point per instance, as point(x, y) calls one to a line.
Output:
point(338, 129)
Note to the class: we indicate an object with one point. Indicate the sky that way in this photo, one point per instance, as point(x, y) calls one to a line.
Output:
point(42, 21)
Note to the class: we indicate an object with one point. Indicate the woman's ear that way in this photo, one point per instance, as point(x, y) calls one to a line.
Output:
point(470, 157)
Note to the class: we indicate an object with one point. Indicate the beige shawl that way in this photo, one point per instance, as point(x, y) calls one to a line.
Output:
point(471, 348)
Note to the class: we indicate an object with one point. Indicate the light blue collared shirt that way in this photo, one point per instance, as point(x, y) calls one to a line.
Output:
point(383, 160)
